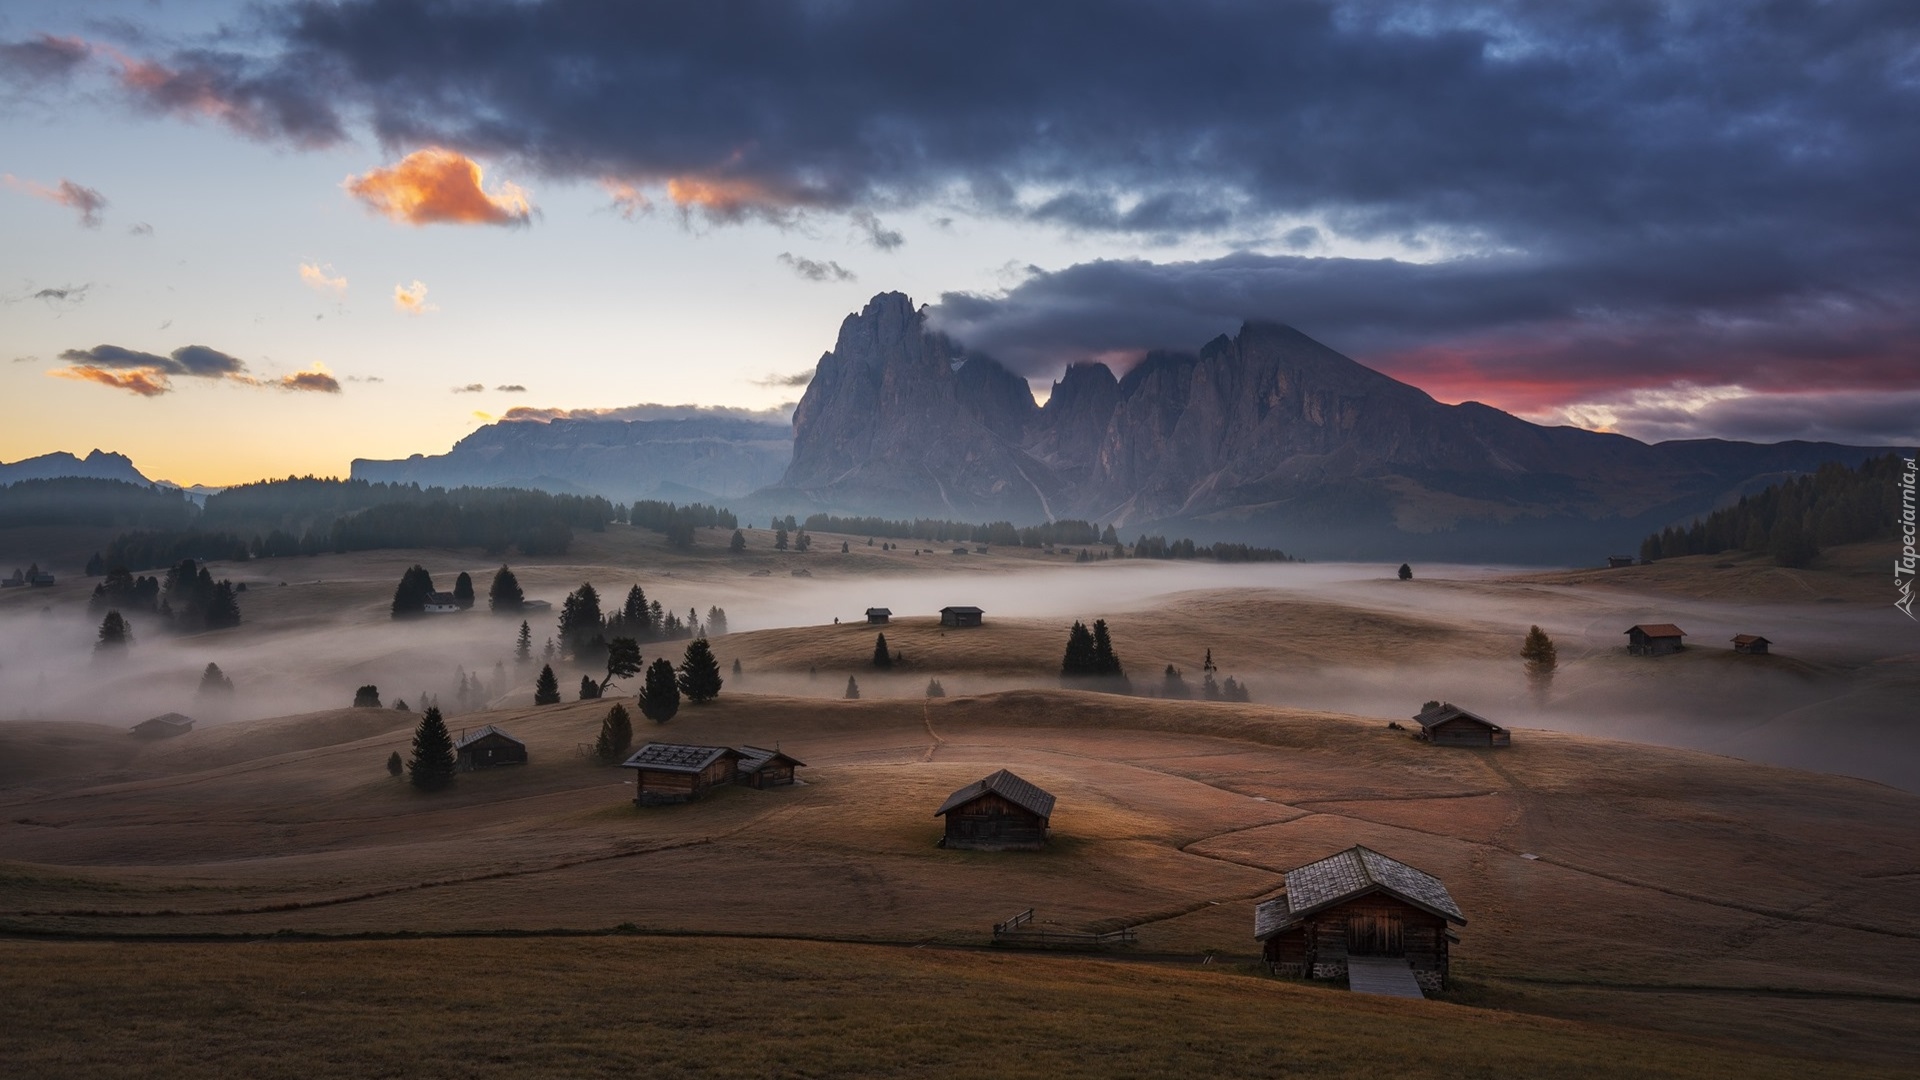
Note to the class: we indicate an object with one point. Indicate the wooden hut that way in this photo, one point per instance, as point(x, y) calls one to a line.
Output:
point(1615, 562)
point(762, 768)
point(1654, 639)
point(1751, 643)
point(1451, 725)
point(487, 748)
point(441, 603)
point(164, 726)
point(961, 616)
point(1358, 903)
point(673, 773)
point(878, 616)
point(999, 813)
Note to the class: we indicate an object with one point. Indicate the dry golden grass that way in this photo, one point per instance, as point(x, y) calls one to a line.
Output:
point(620, 1007)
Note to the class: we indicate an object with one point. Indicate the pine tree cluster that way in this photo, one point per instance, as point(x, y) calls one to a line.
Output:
point(1791, 521)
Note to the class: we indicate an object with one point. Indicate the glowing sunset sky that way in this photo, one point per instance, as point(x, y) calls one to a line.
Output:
point(247, 241)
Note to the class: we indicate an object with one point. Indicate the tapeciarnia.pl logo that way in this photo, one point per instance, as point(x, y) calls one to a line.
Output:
point(1903, 566)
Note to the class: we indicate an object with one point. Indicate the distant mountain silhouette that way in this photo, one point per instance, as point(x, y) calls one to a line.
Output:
point(97, 465)
point(1264, 436)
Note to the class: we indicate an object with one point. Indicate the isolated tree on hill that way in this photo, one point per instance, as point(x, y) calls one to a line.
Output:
point(463, 591)
point(214, 682)
point(505, 596)
point(1078, 662)
point(415, 589)
point(843, 547)
point(367, 697)
point(400, 705)
point(779, 539)
point(394, 765)
point(589, 690)
point(934, 689)
point(546, 689)
point(736, 668)
point(801, 541)
point(616, 734)
point(881, 657)
point(523, 645)
point(739, 542)
point(699, 673)
point(1174, 685)
point(660, 695)
point(115, 634)
point(433, 759)
point(1541, 659)
point(623, 661)
point(853, 689)
point(1406, 572)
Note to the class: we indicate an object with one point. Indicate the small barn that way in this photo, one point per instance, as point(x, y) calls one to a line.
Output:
point(441, 603)
point(759, 767)
point(961, 616)
point(1615, 562)
point(164, 726)
point(672, 773)
point(999, 813)
point(1751, 643)
point(487, 748)
point(1654, 639)
point(1358, 903)
point(878, 616)
point(1451, 725)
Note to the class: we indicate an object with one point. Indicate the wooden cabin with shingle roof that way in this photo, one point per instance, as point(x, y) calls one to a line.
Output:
point(879, 616)
point(1751, 643)
point(999, 813)
point(666, 773)
point(164, 726)
point(1450, 725)
point(1654, 639)
point(1358, 903)
point(762, 768)
point(961, 616)
point(486, 748)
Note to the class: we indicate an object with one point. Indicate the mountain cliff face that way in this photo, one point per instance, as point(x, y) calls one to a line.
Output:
point(97, 465)
point(1266, 436)
point(700, 458)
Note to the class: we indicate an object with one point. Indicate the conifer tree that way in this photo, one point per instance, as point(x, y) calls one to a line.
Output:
point(1079, 659)
point(716, 621)
point(580, 619)
point(115, 634)
point(699, 673)
point(505, 596)
point(636, 619)
point(881, 657)
point(214, 682)
point(433, 759)
point(779, 539)
point(1174, 685)
point(415, 589)
point(589, 690)
point(463, 591)
point(616, 734)
point(394, 765)
point(1406, 572)
point(523, 644)
point(1541, 659)
point(853, 689)
point(623, 661)
point(367, 697)
point(546, 689)
point(739, 542)
point(934, 689)
point(660, 695)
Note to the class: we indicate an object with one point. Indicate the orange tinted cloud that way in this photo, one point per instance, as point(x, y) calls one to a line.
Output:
point(412, 299)
point(438, 185)
point(83, 200)
point(147, 382)
point(628, 201)
point(316, 276)
point(723, 197)
point(318, 380)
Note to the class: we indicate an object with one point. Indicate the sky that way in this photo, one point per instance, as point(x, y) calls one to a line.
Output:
point(248, 240)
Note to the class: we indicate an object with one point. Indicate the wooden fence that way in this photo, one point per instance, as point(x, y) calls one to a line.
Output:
point(1020, 931)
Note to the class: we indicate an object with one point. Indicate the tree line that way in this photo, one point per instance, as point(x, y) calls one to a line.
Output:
point(1792, 520)
point(1068, 533)
point(73, 500)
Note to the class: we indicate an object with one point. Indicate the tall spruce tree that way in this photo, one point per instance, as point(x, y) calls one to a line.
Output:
point(1406, 572)
point(1541, 659)
point(415, 589)
point(214, 682)
point(115, 634)
point(853, 689)
point(505, 596)
point(463, 591)
point(580, 619)
point(433, 759)
point(881, 657)
point(636, 619)
point(1079, 661)
point(616, 734)
point(523, 645)
point(738, 543)
point(546, 689)
point(660, 694)
point(699, 672)
point(394, 765)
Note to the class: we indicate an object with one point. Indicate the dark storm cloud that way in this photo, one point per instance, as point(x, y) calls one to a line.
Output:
point(41, 59)
point(813, 269)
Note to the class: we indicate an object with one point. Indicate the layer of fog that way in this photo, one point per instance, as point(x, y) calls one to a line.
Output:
point(307, 646)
